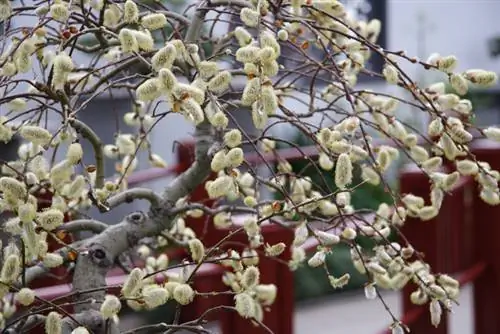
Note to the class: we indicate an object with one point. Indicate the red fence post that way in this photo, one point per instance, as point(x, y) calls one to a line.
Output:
point(487, 235)
point(426, 237)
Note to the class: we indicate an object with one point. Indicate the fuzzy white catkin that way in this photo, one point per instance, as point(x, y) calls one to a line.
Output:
point(25, 296)
point(467, 167)
point(130, 12)
point(26, 212)
point(144, 40)
point(133, 283)
point(327, 239)
point(128, 41)
point(75, 153)
point(35, 134)
point(53, 323)
point(435, 311)
point(183, 294)
point(149, 90)
point(250, 17)
point(343, 171)
point(50, 219)
point(13, 188)
point(318, 259)
point(220, 83)
point(10, 268)
point(192, 111)
point(220, 186)
point(235, 157)
point(244, 305)
point(492, 133)
point(390, 74)
point(233, 138)
point(110, 306)
point(164, 58)
point(196, 249)
point(283, 35)
point(80, 330)
point(275, 250)
point(60, 11)
point(459, 84)
point(247, 54)
point(219, 161)
point(156, 161)
point(52, 260)
point(325, 162)
point(250, 277)
point(155, 296)
point(243, 36)
point(154, 21)
point(481, 77)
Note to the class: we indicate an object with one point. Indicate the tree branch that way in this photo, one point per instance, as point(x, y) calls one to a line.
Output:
point(101, 251)
point(83, 225)
point(132, 194)
point(96, 143)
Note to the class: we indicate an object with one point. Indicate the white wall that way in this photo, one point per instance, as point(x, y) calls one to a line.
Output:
point(458, 27)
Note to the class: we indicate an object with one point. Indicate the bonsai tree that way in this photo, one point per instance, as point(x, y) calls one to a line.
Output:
point(41, 79)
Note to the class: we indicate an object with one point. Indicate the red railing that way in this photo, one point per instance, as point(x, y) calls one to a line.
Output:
point(460, 240)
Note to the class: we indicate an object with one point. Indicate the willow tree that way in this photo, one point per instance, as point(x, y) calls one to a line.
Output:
point(154, 54)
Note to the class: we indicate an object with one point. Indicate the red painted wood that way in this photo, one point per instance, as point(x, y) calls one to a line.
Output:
point(426, 237)
point(487, 247)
